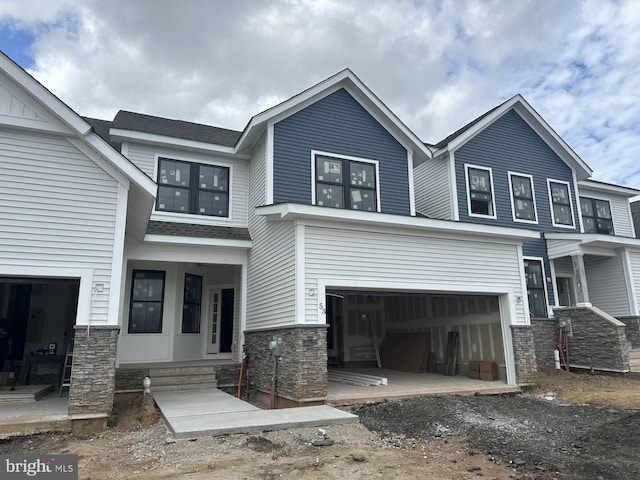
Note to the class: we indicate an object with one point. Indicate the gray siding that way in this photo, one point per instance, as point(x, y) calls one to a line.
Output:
point(337, 124)
point(509, 144)
point(620, 210)
point(58, 208)
point(563, 267)
point(606, 284)
point(271, 268)
point(143, 156)
point(433, 189)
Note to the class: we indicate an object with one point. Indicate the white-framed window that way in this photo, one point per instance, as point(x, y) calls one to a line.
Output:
point(480, 199)
point(192, 188)
point(523, 198)
point(596, 216)
point(561, 204)
point(146, 303)
point(340, 181)
point(536, 289)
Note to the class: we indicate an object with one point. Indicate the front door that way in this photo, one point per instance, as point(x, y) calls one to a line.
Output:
point(220, 320)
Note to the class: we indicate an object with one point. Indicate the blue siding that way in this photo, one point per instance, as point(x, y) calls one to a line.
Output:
point(509, 144)
point(337, 124)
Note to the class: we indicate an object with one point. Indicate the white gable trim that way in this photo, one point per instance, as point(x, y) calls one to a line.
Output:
point(347, 80)
point(536, 122)
point(44, 96)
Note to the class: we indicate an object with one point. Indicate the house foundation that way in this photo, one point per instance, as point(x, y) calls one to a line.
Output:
point(302, 369)
point(93, 371)
point(633, 329)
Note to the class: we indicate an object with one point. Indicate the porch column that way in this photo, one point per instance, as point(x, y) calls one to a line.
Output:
point(582, 292)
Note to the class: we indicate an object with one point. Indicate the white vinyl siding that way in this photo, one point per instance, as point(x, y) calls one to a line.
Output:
point(620, 210)
point(58, 209)
point(271, 268)
point(432, 189)
point(144, 156)
point(425, 263)
point(606, 284)
point(634, 260)
point(563, 267)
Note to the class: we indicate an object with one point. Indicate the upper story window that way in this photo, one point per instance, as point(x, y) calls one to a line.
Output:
point(561, 208)
point(596, 216)
point(147, 297)
point(346, 183)
point(523, 200)
point(194, 188)
point(480, 191)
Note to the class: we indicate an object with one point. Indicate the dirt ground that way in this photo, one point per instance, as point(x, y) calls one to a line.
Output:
point(568, 427)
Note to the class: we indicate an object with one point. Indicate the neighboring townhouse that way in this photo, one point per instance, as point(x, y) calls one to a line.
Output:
point(635, 213)
point(183, 242)
point(67, 202)
point(509, 168)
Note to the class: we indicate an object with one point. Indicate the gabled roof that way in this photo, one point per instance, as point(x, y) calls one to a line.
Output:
point(76, 124)
point(533, 119)
point(139, 122)
point(358, 90)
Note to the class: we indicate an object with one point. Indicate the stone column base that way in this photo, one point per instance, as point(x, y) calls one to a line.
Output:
point(302, 369)
point(94, 370)
point(524, 353)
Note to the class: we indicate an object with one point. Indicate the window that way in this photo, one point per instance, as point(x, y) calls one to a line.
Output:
point(523, 198)
point(193, 188)
point(147, 295)
point(480, 191)
point(596, 216)
point(561, 211)
point(345, 183)
point(192, 302)
point(535, 288)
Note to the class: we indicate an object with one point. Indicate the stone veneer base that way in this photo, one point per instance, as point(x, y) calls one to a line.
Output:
point(302, 369)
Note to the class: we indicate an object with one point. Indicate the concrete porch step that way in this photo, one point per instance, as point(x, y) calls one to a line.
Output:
point(185, 377)
point(634, 360)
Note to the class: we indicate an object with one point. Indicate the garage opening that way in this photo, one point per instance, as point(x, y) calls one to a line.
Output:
point(37, 316)
point(447, 334)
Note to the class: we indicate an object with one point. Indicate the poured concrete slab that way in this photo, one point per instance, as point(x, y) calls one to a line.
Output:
point(200, 413)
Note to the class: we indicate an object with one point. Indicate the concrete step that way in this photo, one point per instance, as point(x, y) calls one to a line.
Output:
point(186, 386)
point(188, 377)
point(182, 380)
point(191, 370)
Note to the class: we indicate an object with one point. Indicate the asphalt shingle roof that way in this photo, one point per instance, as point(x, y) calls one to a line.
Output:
point(198, 231)
point(175, 128)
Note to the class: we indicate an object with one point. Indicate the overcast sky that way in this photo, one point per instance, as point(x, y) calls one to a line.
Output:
point(436, 64)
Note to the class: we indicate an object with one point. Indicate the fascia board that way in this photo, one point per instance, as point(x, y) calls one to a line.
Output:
point(289, 211)
point(197, 241)
point(615, 189)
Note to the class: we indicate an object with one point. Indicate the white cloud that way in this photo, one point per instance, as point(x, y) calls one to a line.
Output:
point(437, 64)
